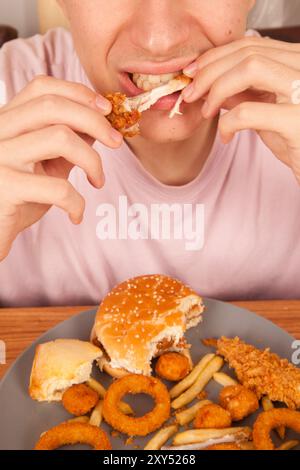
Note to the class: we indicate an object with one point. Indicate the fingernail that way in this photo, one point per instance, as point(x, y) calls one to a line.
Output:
point(116, 136)
point(191, 70)
point(103, 104)
point(188, 91)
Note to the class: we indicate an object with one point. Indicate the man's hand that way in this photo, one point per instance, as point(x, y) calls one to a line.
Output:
point(254, 78)
point(46, 130)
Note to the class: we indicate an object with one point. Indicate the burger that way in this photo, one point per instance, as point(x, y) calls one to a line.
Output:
point(141, 319)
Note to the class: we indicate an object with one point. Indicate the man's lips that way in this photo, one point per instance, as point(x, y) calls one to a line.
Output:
point(128, 87)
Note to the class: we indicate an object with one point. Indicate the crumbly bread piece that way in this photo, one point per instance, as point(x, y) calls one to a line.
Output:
point(143, 318)
point(60, 364)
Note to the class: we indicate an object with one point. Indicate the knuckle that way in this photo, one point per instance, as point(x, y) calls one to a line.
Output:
point(252, 63)
point(39, 83)
point(65, 191)
point(49, 103)
point(62, 134)
point(241, 112)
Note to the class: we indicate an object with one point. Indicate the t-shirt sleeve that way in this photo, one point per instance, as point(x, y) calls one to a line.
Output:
point(23, 59)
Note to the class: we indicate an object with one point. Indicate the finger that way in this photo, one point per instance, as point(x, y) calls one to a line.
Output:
point(48, 144)
point(259, 117)
point(210, 73)
point(247, 43)
point(22, 188)
point(44, 85)
point(256, 72)
point(52, 109)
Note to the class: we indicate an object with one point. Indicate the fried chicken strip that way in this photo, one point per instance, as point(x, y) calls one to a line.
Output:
point(262, 371)
point(126, 112)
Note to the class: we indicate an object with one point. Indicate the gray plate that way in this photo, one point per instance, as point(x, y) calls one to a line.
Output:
point(23, 420)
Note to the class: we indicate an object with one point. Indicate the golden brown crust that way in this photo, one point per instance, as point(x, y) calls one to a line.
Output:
point(143, 425)
point(262, 371)
point(271, 419)
point(138, 312)
point(73, 433)
point(225, 446)
point(172, 366)
point(79, 399)
point(121, 119)
point(239, 401)
point(212, 416)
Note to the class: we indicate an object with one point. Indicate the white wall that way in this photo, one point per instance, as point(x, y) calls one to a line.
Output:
point(22, 14)
point(275, 13)
point(268, 13)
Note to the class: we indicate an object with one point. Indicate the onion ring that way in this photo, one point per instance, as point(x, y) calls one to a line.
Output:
point(271, 419)
point(70, 433)
point(172, 366)
point(79, 399)
point(140, 426)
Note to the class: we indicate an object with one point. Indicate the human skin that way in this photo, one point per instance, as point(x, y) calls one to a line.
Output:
point(156, 37)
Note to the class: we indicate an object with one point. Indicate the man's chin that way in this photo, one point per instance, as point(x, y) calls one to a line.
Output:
point(156, 125)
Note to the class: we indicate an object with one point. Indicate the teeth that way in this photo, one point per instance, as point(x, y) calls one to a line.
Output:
point(149, 82)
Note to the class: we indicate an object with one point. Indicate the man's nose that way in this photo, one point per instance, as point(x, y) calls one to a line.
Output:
point(160, 27)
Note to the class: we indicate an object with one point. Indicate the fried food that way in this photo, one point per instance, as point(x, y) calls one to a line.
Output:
point(79, 399)
point(172, 366)
point(212, 416)
point(202, 435)
point(98, 387)
point(210, 342)
point(201, 381)
point(239, 401)
point(161, 437)
point(268, 405)
point(96, 416)
point(187, 415)
point(73, 433)
point(262, 371)
point(225, 446)
point(271, 419)
point(192, 377)
point(224, 379)
point(121, 118)
point(288, 445)
point(126, 112)
point(133, 384)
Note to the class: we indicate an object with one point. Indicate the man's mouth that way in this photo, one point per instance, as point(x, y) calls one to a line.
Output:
point(147, 82)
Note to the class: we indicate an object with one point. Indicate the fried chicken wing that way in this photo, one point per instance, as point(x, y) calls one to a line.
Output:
point(126, 112)
point(262, 371)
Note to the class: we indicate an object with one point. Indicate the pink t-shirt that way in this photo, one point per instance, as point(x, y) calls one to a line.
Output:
point(234, 231)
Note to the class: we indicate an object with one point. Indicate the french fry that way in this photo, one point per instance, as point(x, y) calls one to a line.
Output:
point(190, 379)
point(201, 435)
point(202, 380)
point(79, 419)
point(98, 387)
point(224, 379)
point(288, 445)
point(186, 416)
point(161, 437)
point(268, 405)
point(246, 445)
point(96, 416)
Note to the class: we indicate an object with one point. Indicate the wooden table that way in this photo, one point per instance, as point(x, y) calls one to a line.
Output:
point(19, 327)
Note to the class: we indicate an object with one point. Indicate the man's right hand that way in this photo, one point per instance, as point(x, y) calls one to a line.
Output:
point(46, 130)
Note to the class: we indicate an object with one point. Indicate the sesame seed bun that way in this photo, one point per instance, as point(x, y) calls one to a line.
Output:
point(142, 318)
